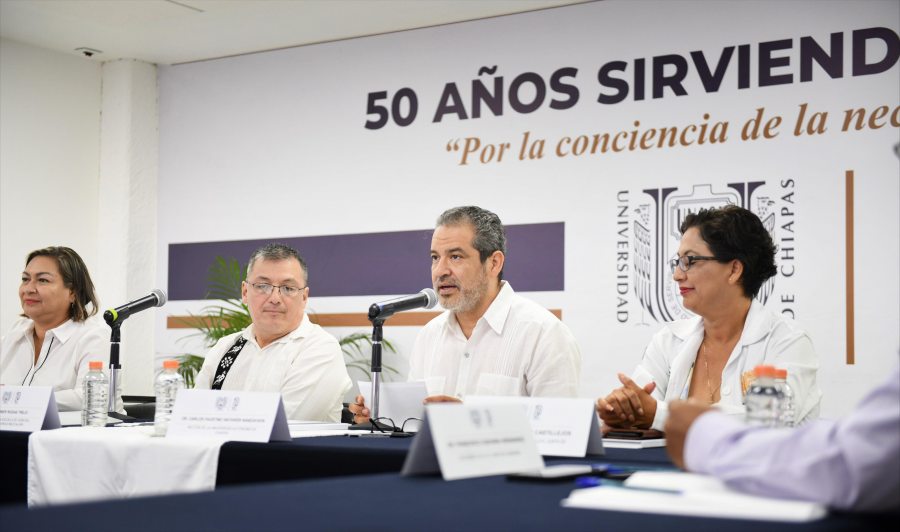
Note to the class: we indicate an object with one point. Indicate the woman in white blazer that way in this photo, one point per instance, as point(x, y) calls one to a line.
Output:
point(724, 257)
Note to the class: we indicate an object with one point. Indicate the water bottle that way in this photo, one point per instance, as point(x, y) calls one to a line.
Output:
point(764, 399)
point(167, 385)
point(96, 393)
point(787, 400)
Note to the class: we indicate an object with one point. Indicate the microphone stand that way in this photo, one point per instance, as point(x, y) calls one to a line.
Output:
point(378, 312)
point(114, 318)
point(377, 335)
point(114, 339)
point(371, 425)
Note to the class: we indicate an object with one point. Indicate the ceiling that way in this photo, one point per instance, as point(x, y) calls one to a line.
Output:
point(181, 31)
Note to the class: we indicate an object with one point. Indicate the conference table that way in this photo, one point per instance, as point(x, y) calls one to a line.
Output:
point(301, 458)
point(385, 501)
point(242, 462)
point(353, 483)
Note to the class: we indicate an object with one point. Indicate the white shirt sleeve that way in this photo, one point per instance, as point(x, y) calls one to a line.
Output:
point(203, 380)
point(654, 367)
point(853, 463)
point(793, 351)
point(556, 368)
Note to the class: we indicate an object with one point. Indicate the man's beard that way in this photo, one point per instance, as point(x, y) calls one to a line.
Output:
point(467, 298)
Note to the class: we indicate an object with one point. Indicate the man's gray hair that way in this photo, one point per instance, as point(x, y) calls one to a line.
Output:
point(276, 251)
point(490, 236)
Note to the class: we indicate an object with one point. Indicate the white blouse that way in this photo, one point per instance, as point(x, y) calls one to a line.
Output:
point(767, 338)
point(63, 361)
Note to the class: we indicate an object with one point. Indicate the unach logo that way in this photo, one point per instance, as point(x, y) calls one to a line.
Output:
point(648, 235)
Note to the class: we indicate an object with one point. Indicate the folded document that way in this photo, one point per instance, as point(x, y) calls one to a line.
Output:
point(677, 493)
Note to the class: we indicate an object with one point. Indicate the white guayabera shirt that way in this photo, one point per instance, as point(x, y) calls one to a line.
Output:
point(306, 366)
point(517, 348)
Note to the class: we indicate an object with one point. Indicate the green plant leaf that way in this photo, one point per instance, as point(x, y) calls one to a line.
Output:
point(188, 367)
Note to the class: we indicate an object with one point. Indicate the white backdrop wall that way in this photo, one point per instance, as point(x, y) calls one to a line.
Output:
point(78, 156)
point(49, 160)
point(274, 145)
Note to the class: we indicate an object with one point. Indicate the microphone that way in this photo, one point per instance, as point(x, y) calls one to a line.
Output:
point(157, 298)
point(381, 311)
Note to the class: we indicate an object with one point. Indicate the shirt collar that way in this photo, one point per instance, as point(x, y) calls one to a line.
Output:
point(64, 331)
point(756, 326)
point(683, 329)
point(302, 331)
point(61, 332)
point(494, 316)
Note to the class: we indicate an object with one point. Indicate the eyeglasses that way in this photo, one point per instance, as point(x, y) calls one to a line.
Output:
point(286, 291)
point(685, 262)
point(390, 427)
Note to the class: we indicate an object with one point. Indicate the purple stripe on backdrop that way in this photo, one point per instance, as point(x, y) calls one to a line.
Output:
point(376, 263)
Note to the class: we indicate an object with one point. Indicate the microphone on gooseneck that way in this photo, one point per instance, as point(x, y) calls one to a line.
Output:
point(381, 311)
point(157, 298)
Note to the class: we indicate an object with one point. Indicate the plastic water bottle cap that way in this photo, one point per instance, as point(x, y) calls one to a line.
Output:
point(170, 364)
point(95, 364)
point(781, 373)
point(764, 371)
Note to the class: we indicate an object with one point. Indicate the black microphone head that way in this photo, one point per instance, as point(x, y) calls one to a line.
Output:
point(161, 297)
point(432, 297)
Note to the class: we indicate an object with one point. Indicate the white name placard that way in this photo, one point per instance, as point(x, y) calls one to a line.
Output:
point(229, 415)
point(561, 426)
point(467, 441)
point(28, 408)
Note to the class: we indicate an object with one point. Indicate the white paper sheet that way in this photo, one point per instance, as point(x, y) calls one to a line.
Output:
point(676, 493)
point(619, 443)
point(399, 401)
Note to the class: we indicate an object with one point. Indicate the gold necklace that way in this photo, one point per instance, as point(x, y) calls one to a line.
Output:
point(709, 388)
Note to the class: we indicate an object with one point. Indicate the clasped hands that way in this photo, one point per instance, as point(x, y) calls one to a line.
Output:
point(361, 413)
point(630, 406)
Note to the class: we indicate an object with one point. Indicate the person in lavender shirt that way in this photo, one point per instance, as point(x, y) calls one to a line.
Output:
point(848, 464)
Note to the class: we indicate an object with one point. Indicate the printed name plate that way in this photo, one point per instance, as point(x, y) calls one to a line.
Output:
point(562, 426)
point(28, 408)
point(229, 415)
point(467, 441)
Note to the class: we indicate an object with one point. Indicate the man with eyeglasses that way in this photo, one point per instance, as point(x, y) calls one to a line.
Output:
point(281, 351)
point(490, 341)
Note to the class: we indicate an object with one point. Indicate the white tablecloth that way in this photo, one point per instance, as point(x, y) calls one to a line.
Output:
point(80, 464)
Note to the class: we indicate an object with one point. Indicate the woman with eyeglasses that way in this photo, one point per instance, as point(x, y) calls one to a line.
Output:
point(54, 340)
point(724, 257)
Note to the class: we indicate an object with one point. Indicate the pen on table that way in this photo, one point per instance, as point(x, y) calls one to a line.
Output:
point(588, 482)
